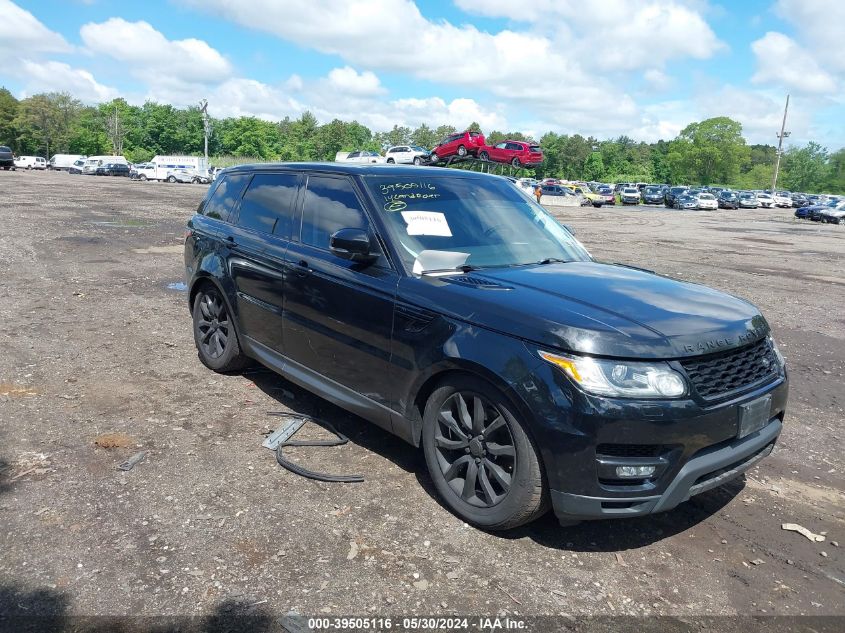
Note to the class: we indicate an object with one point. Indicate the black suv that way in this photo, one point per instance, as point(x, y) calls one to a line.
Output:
point(450, 309)
point(7, 158)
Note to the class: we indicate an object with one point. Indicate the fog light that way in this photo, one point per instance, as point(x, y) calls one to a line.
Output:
point(635, 471)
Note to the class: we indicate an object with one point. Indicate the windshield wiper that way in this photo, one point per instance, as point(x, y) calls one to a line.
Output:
point(553, 260)
point(463, 268)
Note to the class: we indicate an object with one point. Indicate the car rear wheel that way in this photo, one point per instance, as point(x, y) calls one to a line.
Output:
point(515, 162)
point(214, 333)
point(483, 464)
point(433, 157)
point(462, 151)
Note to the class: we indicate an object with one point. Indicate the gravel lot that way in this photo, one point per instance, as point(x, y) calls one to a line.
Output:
point(95, 343)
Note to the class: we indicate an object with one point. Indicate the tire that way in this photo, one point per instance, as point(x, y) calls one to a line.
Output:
point(390, 161)
point(484, 156)
point(171, 179)
point(142, 177)
point(417, 160)
point(214, 332)
point(515, 491)
point(515, 162)
point(462, 151)
point(433, 158)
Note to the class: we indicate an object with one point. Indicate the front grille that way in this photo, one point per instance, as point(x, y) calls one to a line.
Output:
point(720, 374)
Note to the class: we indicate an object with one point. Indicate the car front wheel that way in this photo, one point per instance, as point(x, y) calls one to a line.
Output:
point(171, 179)
point(417, 160)
point(462, 151)
point(484, 156)
point(484, 465)
point(214, 333)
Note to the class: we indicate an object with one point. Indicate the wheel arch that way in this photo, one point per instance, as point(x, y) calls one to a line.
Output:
point(204, 279)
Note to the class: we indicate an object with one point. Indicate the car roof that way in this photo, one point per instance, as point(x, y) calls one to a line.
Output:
point(366, 169)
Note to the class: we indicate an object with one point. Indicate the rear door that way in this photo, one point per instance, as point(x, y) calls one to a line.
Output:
point(338, 313)
point(256, 243)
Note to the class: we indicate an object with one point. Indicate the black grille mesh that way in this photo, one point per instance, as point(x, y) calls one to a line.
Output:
point(719, 374)
point(630, 450)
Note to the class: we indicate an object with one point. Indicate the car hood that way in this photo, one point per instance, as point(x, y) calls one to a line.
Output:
point(594, 308)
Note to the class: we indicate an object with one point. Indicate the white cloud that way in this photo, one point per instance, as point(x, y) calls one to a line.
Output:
point(781, 61)
point(819, 25)
point(657, 79)
point(152, 55)
point(53, 76)
point(21, 32)
point(350, 81)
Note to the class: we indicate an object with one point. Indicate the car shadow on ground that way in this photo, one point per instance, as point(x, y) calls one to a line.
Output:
point(24, 610)
point(596, 536)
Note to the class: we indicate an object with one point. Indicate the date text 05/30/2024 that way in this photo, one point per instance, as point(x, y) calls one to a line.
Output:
point(418, 623)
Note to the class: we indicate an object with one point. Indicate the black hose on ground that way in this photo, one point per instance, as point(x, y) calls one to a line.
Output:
point(340, 440)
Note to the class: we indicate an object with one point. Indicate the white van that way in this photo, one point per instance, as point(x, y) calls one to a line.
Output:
point(30, 162)
point(159, 167)
point(64, 161)
point(91, 163)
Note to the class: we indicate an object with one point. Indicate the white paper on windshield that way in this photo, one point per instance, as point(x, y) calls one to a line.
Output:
point(426, 223)
point(437, 260)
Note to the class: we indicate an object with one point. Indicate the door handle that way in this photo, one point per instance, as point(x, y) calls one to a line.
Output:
point(302, 268)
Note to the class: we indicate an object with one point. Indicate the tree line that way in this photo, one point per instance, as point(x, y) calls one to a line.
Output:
point(710, 152)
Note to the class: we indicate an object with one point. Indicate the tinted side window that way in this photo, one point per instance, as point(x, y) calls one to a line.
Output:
point(224, 197)
point(267, 205)
point(330, 204)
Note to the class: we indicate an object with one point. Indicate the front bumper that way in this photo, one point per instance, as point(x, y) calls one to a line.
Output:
point(707, 470)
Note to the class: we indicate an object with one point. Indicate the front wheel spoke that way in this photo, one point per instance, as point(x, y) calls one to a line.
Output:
point(218, 346)
point(208, 334)
point(222, 337)
point(448, 419)
point(498, 474)
point(463, 412)
point(500, 449)
point(450, 445)
point(478, 416)
point(205, 304)
point(470, 479)
point(494, 426)
point(486, 486)
point(456, 466)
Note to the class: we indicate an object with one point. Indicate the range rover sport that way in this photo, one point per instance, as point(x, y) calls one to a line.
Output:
point(453, 311)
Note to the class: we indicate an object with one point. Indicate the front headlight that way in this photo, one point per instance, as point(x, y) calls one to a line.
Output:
point(625, 379)
point(778, 355)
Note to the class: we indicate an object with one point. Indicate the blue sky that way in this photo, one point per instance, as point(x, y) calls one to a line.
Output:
point(645, 68)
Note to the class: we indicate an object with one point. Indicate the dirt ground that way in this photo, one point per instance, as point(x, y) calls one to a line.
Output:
point(94, 342)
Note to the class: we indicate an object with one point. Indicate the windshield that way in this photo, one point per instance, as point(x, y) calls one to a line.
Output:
point(444, 222)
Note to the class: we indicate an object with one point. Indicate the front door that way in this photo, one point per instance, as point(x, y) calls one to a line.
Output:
point(339, 314)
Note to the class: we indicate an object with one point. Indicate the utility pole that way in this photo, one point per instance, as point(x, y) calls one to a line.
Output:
point(206, 125)
point(783, 134)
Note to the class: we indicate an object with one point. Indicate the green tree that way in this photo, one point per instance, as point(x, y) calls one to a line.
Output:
point(835, 181)
point(442, 132)
point(709, 152)
point(424, 136)
point(805, 168)
point(8, 114)
point(594, 167)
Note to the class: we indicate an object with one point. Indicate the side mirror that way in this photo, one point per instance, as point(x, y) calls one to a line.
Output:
point(352, 244)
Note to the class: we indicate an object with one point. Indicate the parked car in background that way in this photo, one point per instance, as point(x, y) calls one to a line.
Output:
point(113, 169)
point(517, 153)
point(406, 155)
point(590, 198)
point(64, 161)
point(799, 200)
point(461, 144)
point(653, 195)
point(765, 200)
point(359, 156)
point(748, 200)
point(31, 162)
point(89, 167)
point(814, 212)
point(707, 202)
point(671, 193)
point(834, 214)
point(77, 166)
point(728, 199)
point(557, 190)
point(630, 195)
point(686, 201)
point(606, 192)
point(186, 175)
point(7, 157)
point(783, 199)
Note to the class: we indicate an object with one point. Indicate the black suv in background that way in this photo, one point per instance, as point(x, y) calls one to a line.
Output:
point(728, 199)
point(113, 169)
point(671, 194)
point(653, 195)
point(448, 308)
point(7, 157)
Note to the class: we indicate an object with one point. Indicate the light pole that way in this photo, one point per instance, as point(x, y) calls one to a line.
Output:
point(206, 126)
point(783, 134)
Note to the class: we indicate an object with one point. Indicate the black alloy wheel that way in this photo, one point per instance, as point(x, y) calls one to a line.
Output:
point(483, 464)
point(390, 161)
point(214, 333)
point(484, 156)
